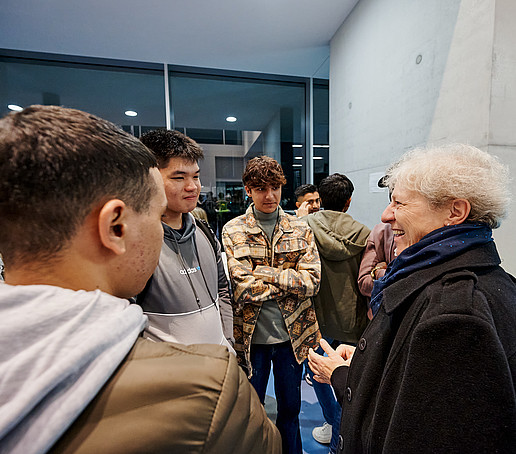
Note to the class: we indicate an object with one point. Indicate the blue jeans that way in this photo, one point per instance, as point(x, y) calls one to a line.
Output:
point(287, 387)
point(330, 407)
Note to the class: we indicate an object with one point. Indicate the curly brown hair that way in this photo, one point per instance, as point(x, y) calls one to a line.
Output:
point(263, 171)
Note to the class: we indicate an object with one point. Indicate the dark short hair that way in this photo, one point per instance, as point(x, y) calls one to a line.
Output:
point(166, 144)
point(335, 191)
point(304, 189)
point(263, 171)
point(56, 165)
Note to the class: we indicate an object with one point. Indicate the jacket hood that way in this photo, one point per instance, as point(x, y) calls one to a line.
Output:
point(338, 235)
point(58, 348)
point(189, 230)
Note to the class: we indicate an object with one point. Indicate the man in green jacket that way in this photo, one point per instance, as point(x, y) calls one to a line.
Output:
point(81, 204)
point(340, 307)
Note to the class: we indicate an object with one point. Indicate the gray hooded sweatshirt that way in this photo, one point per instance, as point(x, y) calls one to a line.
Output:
point(341, 309)
point(187, 300)
point(58, 347)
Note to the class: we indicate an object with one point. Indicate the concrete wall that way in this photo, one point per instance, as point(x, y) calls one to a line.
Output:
point(502, 132)
point(406, 73)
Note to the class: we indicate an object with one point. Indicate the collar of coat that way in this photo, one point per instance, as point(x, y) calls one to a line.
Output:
point(463, 265)
point(253, 228)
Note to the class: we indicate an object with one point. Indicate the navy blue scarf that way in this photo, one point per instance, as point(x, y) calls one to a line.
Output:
point(434, 248)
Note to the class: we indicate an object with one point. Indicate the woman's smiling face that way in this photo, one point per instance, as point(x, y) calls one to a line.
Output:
point(411, 217)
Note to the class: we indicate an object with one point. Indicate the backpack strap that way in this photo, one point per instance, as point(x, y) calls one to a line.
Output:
point(205, 227)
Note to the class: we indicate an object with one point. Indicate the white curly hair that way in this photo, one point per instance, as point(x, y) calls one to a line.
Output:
point(457, 171)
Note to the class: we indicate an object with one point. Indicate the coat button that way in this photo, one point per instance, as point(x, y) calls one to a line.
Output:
point(348, 394)
point(341, 443)
point(362, 343)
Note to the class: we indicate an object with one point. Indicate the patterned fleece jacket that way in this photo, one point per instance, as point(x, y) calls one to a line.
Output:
point(288, 270)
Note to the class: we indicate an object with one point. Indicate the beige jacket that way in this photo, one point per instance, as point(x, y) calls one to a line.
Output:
point(171, 398)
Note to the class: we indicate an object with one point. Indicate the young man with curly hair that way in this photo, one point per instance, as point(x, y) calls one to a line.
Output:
point(274, 269)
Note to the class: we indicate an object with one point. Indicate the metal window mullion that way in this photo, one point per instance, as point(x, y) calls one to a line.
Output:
point(310, 126)
point(167, 97)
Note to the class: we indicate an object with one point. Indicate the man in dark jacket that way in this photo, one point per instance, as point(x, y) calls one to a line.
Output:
point(80, 215)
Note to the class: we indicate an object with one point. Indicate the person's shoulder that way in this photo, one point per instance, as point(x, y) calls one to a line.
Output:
point(235, 223)
point(164, 395)
point(294, 221)
point(381, 228)
point(205, 372)
point(198, 362)
point(471, 292)
point(149, 350)
point(355, 223)
point(204, 230)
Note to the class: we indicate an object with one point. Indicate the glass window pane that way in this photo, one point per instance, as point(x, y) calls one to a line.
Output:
point(269, 118)
point(101, 90)
point(321, 128)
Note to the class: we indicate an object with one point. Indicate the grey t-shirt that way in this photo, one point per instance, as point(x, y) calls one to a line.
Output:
point(270, 327)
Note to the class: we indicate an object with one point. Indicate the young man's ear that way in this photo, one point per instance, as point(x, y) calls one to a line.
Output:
point(247, 190)
point(459, 211)
point(112, 227)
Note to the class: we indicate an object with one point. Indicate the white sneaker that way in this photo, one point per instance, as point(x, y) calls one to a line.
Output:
point(322, 434)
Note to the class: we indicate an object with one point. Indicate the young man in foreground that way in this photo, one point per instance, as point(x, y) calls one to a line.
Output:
point(80, 215)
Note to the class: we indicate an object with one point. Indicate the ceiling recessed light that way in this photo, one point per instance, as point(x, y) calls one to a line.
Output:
point(296, 145)
point(15, 107)
point(297, 165)
point(321, 146)
point(231, 119)
point(298, 157)
point(318, 157)
point(131, 113)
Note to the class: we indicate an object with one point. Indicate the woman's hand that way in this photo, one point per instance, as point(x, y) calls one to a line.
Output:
point(323, 366)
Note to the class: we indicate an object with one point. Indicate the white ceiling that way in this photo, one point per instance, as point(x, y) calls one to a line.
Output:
point(288, 37)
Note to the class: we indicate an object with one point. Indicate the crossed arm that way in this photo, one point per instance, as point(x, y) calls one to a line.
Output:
point(263, 283)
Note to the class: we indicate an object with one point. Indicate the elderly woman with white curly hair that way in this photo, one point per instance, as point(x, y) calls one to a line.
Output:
point(435, 370)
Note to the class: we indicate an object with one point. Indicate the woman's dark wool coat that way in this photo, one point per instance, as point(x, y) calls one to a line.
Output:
point(435, 370)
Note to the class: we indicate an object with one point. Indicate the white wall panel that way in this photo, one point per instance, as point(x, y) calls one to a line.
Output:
point(382, 102)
